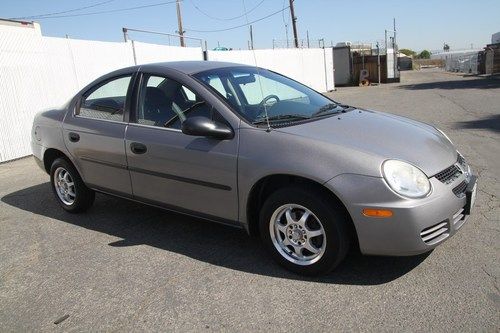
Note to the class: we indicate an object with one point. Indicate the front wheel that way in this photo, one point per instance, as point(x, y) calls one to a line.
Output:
point(304, 231)
point(68, 187)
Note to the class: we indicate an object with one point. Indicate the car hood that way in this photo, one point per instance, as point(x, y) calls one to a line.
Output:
point(385, 135)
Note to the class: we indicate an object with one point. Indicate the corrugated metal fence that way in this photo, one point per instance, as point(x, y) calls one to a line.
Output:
point(38, 73)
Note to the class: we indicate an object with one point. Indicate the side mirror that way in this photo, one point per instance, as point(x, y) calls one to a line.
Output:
point(202, 126)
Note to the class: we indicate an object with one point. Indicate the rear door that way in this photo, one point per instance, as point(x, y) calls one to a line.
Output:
point(95, 132)
point(175, 170)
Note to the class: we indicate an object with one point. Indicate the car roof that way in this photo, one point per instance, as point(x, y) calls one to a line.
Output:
point(191, 67)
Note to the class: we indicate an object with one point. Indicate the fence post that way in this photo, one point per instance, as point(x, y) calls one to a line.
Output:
point(324, 65)
point(133, 52)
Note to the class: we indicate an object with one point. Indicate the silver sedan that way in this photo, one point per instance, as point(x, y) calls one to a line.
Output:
point(253, 149)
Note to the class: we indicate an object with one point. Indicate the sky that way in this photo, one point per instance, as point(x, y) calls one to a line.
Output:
point(424, 24)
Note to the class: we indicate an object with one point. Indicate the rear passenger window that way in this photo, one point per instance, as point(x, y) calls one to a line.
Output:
point(107, 101)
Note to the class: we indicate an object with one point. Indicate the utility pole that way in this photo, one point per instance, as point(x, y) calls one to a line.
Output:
point(395, 51)
point(307, 34)
point(179, 20)
point(385, 41)
point(294, 24)
point(378, 63)
point(394, 26)
point(251, 37)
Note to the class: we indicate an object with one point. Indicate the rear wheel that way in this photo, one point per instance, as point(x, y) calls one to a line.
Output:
point(304, 231)
point(68, 187)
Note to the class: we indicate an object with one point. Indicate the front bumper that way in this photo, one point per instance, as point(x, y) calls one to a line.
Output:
point(416, 226)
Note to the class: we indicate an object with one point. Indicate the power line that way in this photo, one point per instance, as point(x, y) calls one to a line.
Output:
point(223, 18)
point(242, 25)
point(110, 11)
point(62, 12)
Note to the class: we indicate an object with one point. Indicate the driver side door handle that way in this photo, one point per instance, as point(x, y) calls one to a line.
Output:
point(138, 148)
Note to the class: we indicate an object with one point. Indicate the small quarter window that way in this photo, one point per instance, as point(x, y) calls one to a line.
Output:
point(107, 101)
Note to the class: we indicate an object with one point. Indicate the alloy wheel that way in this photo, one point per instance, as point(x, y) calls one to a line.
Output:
point(65, 186)
point(297, 234)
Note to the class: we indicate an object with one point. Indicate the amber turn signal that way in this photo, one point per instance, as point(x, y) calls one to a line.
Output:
point(377, 212)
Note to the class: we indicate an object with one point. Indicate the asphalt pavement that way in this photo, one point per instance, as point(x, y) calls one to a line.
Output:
point(126, 266)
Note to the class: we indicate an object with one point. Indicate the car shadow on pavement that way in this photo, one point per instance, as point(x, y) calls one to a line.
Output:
point(479, 83)
point(491, 123)
point(225, 246)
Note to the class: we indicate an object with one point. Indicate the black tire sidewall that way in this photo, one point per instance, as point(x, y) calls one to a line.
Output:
point(332, 218)
point(84, 196)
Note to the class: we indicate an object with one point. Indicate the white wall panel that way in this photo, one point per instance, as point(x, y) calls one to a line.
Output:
point(39, 73)
point(93, 59)
point(313, 67)
point(29, 70)
point(150, 53)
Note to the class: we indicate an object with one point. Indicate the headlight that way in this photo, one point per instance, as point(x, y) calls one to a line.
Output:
point(464, 166)
point(406, 179)
point(444, 134)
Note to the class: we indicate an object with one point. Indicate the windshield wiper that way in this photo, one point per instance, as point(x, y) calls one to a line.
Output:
point(327, 109)
point(281, 117)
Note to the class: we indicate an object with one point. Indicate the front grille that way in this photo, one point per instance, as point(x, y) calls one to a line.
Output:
point(435, 233)
point(449, 174)
point(459, 190)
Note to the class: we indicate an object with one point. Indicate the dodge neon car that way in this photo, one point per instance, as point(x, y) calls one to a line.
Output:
point(251, 148)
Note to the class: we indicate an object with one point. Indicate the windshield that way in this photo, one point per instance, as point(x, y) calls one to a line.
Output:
point(255, 92)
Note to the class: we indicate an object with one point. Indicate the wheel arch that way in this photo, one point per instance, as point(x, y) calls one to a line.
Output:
point(268, 184)
point(50, 155)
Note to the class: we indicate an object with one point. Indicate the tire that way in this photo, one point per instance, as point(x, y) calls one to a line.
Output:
point(68, 187)
point(325, 230)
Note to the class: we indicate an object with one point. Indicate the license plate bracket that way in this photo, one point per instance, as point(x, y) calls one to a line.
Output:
point(470, 194)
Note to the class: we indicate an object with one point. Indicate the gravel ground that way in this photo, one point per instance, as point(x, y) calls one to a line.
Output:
point(125, 266)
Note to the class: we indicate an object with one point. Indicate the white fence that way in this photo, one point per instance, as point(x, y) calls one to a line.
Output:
point(313, 67)
point(38, 73)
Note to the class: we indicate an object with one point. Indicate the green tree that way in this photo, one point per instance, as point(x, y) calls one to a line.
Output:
point(424, 54)
point(408, 52)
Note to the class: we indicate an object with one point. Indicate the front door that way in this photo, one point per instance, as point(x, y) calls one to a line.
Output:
point(95, 132)
point(174, 170)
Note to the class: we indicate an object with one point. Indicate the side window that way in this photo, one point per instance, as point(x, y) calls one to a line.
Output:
point(106, 101)
point(215, 81)
point(167, 103)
